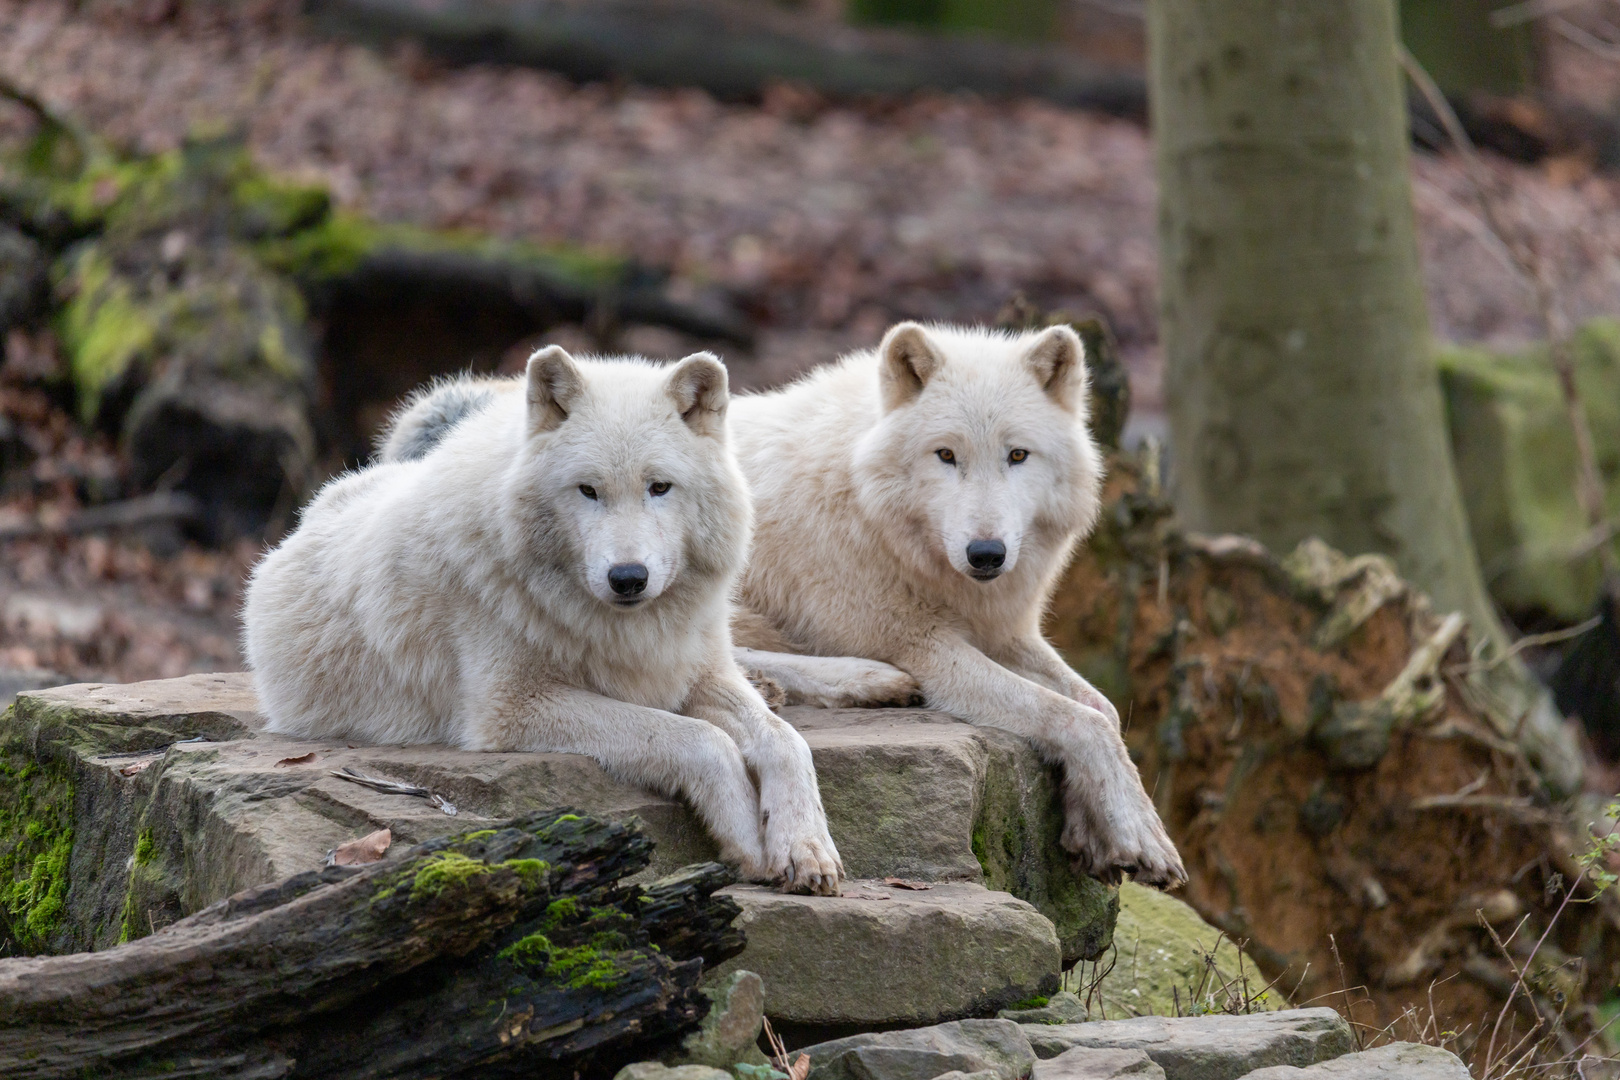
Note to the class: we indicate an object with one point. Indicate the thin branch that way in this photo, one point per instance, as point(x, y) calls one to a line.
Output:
point(1529, 11)
point(1587, 40)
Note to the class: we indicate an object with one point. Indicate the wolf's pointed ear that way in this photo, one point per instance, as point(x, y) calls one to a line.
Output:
point(909, 361)
point(1057, 359)
point(555, 383)
point(698, 386)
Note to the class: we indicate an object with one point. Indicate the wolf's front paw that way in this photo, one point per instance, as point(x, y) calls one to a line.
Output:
point(1131, 840)
point(852, 682)
point(806, 863)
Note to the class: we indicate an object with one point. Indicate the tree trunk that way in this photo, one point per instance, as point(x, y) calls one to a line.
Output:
point(504, 952)
point(1303, 397)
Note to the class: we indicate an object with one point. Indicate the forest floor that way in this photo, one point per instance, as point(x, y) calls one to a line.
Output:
point(826, 221)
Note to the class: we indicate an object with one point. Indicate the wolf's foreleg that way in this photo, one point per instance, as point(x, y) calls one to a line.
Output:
point(1110, 824)
point(673, 754)
point(1036, 660)
point(798, 848)
point(832, 682)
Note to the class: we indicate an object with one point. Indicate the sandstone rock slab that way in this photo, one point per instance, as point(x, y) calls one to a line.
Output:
point(985, 1048)
point(173, 796)
point(1394, 1061)
point(1084, 1063)
point(1208, 1047)
point(882, 956)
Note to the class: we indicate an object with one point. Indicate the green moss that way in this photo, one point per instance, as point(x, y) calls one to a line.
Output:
point(592, 966)
point(144, 848)
point(585, 966)
point(531, 951)
point(1032, 1003)
point(481, 834)
point(341, 243)
point(36, 844)
point(560, 911)
point(567, 817)
point(271, 208)
point(532, 872)
point(102, 327)
point(445, 870)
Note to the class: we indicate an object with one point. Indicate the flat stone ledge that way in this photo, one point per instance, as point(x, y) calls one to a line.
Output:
point(885, 957)
point(1208, 1047)
point(1394, 1061)
point(184, 768)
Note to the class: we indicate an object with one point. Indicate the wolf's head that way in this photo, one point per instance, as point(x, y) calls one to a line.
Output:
point(625, 479)
point(981, 454)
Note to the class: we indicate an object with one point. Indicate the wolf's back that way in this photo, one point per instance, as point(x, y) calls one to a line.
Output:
point(431, 412)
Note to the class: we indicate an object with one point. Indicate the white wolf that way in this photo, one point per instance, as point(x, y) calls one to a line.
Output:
point(915, 505)
point(544, 563)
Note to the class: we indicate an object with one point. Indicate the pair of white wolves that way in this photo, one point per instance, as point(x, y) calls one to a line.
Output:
point(562, 561)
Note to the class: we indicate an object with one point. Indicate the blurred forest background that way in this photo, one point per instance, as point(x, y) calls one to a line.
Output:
point(233, 234)
point(776, 182)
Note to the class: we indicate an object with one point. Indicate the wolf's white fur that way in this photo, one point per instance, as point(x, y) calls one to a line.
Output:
point(860, 550)
point(461, 596)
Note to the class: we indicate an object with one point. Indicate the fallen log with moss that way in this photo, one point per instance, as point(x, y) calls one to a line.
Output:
point(508, 951)
point(733, 50)
point(233, 329)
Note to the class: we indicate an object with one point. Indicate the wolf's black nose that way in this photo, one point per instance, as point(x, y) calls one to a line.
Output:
point(627, 579)
point(986, 554)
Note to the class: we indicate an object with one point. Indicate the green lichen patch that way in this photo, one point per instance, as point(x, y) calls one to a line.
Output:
point(36, 842)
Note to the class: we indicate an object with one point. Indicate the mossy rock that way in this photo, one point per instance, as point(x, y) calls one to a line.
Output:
point(1516, 465)
point(1167, 961)
point(36, 842)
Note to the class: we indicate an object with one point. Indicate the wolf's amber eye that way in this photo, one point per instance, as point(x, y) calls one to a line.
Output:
point(587, 491)
point(946, 456)
point(660, 488)
point(1018, 457)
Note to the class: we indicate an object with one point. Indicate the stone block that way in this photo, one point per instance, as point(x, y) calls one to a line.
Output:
point(1208, 1047)
point(880, 957)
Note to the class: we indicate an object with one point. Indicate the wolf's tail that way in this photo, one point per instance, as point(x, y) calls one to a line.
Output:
point(429, 413)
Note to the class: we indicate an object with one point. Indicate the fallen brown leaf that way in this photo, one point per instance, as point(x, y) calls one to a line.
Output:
point(304, 760)
point(368, 849)
point(902, 883)
point(800, 1069)
point(136, 767)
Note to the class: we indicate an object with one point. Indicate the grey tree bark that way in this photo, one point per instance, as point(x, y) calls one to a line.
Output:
point(1303, 396)
point(1303, 399)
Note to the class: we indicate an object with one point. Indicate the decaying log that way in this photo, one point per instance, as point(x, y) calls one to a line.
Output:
point(512, 951)
point(730, 48)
